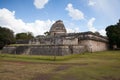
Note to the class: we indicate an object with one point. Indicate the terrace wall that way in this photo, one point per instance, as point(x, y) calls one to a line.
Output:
point(44, 49)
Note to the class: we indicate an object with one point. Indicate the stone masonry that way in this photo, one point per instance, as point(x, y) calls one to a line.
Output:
point(61, 43)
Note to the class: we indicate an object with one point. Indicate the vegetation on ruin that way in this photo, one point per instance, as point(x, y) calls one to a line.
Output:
point(24, 36)
point(88, 66)
point(7, 36)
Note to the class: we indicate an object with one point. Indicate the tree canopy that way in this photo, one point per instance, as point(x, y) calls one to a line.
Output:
point(47, 33)
point(6, 36)
point(24, 36)
point(113, 33)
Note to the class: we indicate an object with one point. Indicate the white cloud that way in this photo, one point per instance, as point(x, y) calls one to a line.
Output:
point(69, 30)
point(102, 32)
point(108, 8)
point(7, 19)
point(91, 3)
point(74, 13)
point(40, 3)
point(71, 27)
point(38, 27)
point(75, 30)
point(90, 25)
point(93, 29)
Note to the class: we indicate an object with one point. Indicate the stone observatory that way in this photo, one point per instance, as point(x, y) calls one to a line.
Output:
point(59, 42)
point(58, 28)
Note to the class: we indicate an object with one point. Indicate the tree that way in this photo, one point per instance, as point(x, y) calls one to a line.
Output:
point(113, 33)
point(47, 33)
point(24, 36)
point(6, 37)
point(97, 33)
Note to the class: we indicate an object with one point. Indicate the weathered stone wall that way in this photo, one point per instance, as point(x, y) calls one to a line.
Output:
point(8, 49)
point(22, 41)
point(15, 49)
point(44, 49)
point(70, 41)
point(93, 46)
point(49, 50)
point(79, 49)
point(98, 46)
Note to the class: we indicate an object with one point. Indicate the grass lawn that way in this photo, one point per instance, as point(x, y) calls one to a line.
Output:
point(88, 66)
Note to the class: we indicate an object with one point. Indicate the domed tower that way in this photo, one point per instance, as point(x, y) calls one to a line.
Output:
point(58, 28)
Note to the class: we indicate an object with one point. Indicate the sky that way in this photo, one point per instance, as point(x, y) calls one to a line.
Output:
point(37, 16)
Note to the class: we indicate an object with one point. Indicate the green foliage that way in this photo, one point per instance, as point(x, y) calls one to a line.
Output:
point(6, 37)
point(113, 33)
point(24, 36)
point(47, 33)
point(36, 58)
point(68, 58)
point(97, 33)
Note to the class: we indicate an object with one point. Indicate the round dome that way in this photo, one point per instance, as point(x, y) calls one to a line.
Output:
point(58, 28)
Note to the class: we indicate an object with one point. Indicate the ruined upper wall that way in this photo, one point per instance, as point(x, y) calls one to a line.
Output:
point(87, 36)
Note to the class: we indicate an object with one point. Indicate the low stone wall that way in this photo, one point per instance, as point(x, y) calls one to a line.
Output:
point(79, 49)
point(44, 49)
point(93, 46)
point(9, 49)
point(49, 50)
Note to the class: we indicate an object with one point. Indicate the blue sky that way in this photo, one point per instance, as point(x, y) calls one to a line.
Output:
point(37, 16)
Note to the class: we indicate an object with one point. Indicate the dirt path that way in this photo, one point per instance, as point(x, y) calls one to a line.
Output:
point(57, 67)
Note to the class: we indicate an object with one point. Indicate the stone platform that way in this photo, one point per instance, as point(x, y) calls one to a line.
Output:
point(58, 50)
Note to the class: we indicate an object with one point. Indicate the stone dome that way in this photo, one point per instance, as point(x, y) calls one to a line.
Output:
point(57, 28)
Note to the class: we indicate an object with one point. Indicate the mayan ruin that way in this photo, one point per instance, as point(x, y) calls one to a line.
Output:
point(60, 42)
point(59, 39)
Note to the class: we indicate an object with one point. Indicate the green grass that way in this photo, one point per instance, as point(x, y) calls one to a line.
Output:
point(37, 58)
point(89, 66)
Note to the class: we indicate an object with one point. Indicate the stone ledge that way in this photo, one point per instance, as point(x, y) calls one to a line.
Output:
point(44, 49)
